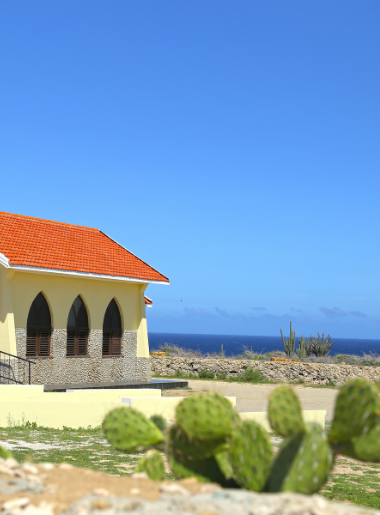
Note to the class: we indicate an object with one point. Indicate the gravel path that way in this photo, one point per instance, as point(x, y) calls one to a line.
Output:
point(254, 397)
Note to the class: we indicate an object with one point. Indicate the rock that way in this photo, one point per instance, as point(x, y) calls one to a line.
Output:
point(20, 502)
point(225, 502)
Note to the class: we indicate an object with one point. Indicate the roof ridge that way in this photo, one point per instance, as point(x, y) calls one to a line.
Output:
point(48, 221)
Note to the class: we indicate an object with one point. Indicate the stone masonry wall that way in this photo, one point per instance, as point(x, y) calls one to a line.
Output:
point(315, 373)
point(93, 368)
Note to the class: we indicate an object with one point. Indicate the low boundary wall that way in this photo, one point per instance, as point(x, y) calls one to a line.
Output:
point(312, 373)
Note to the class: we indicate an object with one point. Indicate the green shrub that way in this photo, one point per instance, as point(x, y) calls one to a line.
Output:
point(222, 376)
point(206, 374)
point(251, 375)
point(331, 383)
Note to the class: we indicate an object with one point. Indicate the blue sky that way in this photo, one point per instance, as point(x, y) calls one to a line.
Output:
point(232, 145)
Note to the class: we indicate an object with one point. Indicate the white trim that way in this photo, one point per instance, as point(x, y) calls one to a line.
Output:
point(4, 260)
point(150, 300)
point(53, 271)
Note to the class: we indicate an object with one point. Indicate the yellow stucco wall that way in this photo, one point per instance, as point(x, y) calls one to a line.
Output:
point(82, 412)
point(19, 289)
point(7, 327)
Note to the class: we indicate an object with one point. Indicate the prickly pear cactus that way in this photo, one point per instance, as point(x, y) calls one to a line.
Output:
point(159, 421)
point(284, 412)
point(4, 453)
point(182, 466)
point(129, 430)
point(251, 455)
point(357, 409)
point(153, 465)
point(194, 448)
point(302, 464)
point(365, 447)
point(223, 459)
point(206, 416)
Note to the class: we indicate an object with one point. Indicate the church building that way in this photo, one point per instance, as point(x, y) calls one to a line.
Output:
point(72, 302)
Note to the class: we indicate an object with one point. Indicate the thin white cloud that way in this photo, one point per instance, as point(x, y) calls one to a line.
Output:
point(334, 312)
point(358, 314)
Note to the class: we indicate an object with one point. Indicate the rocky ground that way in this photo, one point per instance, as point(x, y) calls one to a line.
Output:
point(46, 489)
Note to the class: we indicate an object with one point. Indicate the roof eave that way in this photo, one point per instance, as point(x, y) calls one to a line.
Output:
point(4, 260)
point(87, 275)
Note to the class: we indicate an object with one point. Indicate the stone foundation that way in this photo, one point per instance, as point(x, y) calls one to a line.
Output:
point(312, 373)
point(93, 368)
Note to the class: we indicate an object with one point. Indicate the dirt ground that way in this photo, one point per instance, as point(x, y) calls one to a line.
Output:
point(254, 397)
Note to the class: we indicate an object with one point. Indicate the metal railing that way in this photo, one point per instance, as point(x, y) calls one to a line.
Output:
point(13, 368)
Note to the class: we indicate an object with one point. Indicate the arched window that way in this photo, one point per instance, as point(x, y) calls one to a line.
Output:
point(112, 330)
point(38, 328)
point(77, 329)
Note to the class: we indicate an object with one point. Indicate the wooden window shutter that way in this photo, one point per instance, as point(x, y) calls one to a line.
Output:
point(81, 343)
point(70, 343)
point(44, 342)
point(112, 330)
point(77, 329)
point(31, 342)
point(106, 343)
point(116, 342)
point(38, 330)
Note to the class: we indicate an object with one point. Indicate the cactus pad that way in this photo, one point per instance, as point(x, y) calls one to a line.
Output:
point(129, 430)
point(302, 464)
point(153, 465)
point(4, 453)
point(251, 455)
point(206, 416)
point(205, 470)
point(365, 447)
point(284, 412)
point(159, 421)
point(356, 410)
point(193, 448)
point(223, 459)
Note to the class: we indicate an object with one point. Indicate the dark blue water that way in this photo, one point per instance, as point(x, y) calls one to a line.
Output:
point(233, 345)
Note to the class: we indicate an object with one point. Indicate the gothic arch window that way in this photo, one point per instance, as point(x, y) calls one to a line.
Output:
point(77, 329)
point(38, 328)
point(112, 330)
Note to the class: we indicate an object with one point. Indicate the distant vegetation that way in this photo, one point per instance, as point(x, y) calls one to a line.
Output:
point(320, 346)
point(371, 359)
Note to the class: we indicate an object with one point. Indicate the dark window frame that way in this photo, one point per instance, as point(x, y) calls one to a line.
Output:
point(77, 337)
point(112, 336)
point(111, 343)
point(38, 337)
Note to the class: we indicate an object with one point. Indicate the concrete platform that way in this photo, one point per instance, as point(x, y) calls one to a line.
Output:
point(160, 384)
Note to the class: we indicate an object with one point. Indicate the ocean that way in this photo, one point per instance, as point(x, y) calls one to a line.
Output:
point(233, 345)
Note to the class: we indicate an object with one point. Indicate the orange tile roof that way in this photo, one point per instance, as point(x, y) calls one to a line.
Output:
point(45, 244)
point(148, 301)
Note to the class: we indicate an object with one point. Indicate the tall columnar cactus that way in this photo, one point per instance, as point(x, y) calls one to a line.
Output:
point(320, 346)
point(209, 441)
point(305, 348)
point(289, 345)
